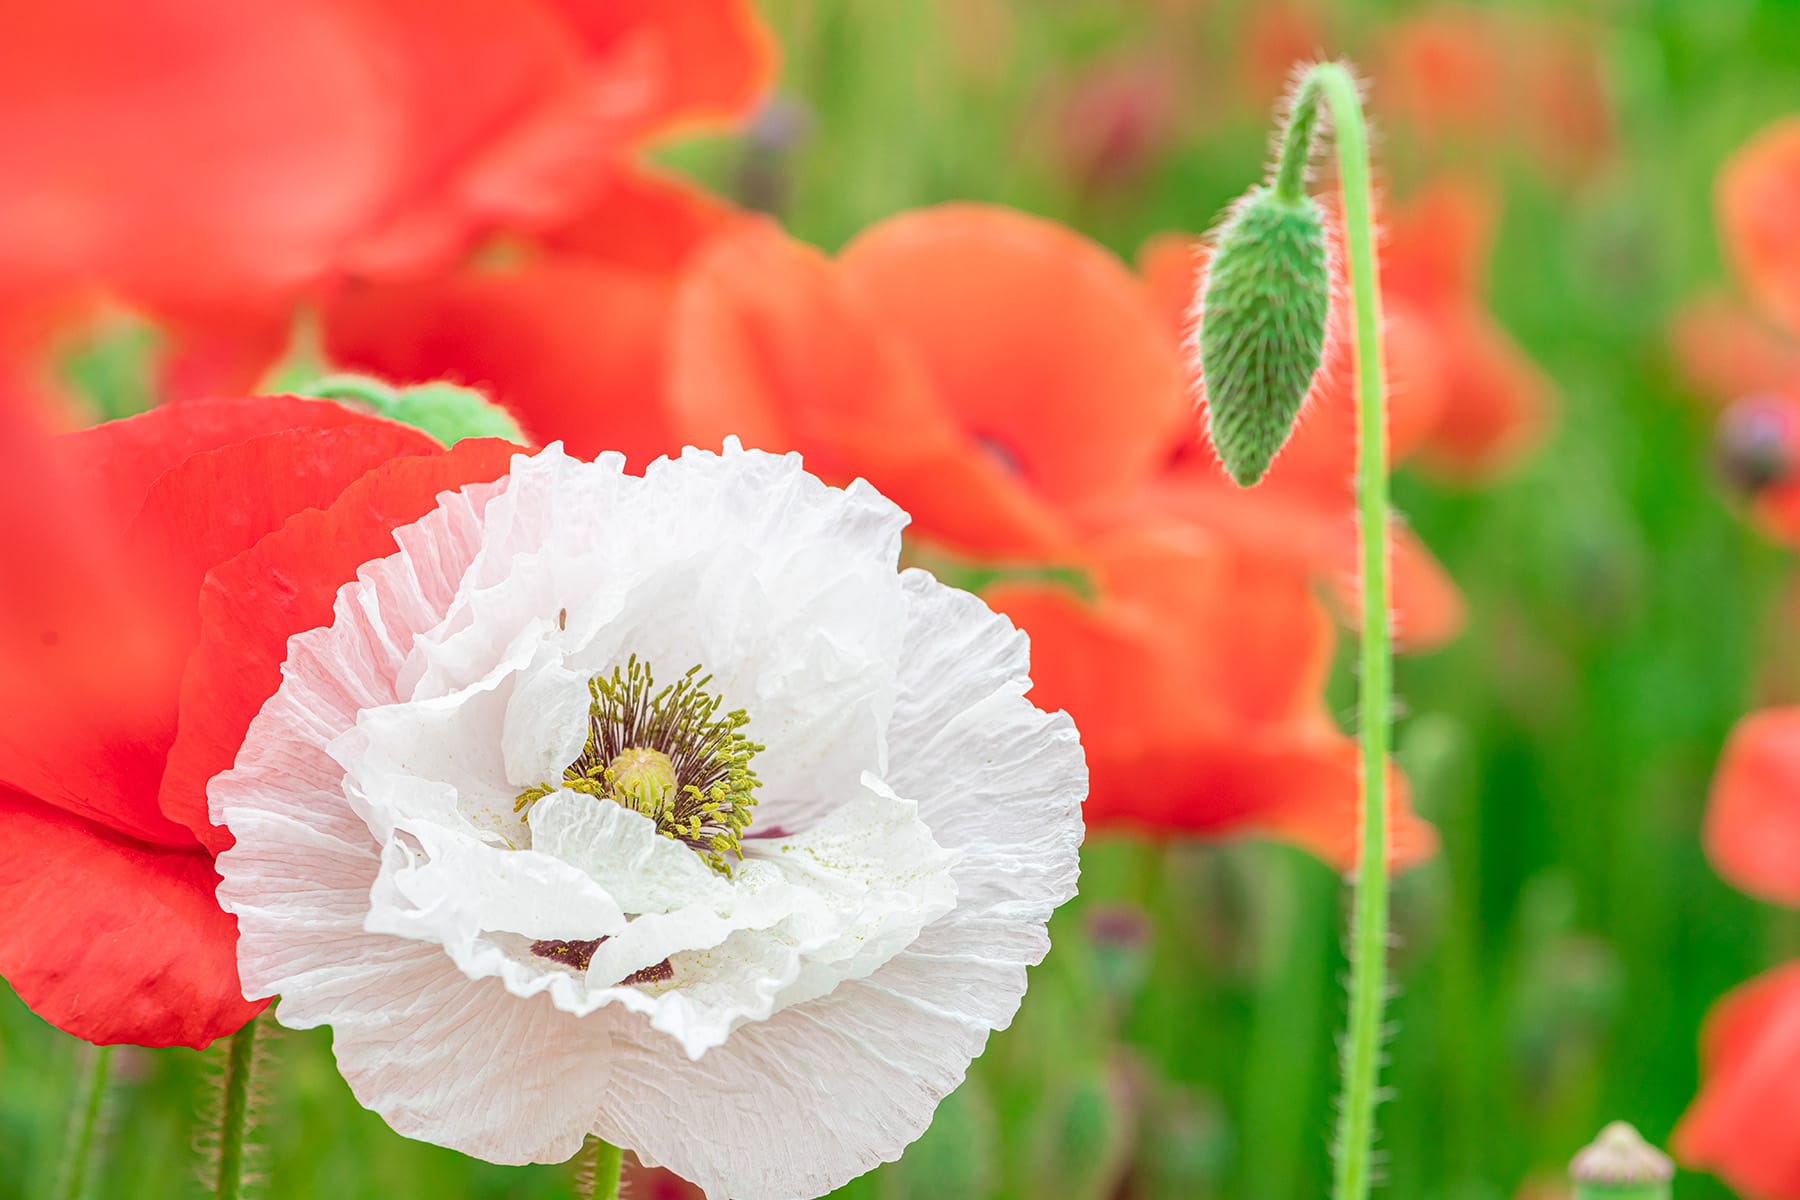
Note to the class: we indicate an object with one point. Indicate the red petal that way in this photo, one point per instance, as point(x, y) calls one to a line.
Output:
point(645, 220)
point(1170, 265)
point(1727, 352)
point(121, 459)
point(281, 586)
point(768, 344)
point(713, 59)
point(1496, 401)
point(518, 112)
point(1316, 536)
point(574, 349)
point(219, 503)
point(111, 940)
point(1041, 344)
point(1757, 218)
point(1753, 814)
point(1196, 716)
point(275, 114)
point(1435, 247)
point(1742, 1124)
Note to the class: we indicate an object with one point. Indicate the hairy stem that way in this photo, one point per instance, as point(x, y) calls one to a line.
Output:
point(83, 1145)
point(234, 1112)
point(597, 1177)
point(1332, 85)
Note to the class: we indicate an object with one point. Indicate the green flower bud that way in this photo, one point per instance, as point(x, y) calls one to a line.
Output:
point(450, 414)
point(1264, 304)
point(447, 412)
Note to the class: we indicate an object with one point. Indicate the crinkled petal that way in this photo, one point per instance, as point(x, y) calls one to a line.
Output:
point(823, 1091)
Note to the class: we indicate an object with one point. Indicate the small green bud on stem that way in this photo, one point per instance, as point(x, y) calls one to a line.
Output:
point(1621, 1165)
point(1264, 308)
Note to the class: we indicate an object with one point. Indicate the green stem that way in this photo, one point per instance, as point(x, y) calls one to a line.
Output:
point(1333, 84)
point(601, 1165)
point(234, 1111)
point(83, 1143)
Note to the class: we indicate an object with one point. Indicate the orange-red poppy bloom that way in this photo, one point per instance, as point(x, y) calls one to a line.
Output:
point(158, 565)
point(1463, 400)
point(567, 330)
point(1757, 222)
point(1463, 77)
point(1744, 355)
point(1006, 381)
point(1745, 1124)
point(205, 159)
point(1015, 389)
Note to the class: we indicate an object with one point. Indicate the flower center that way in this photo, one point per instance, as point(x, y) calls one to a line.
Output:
point(670, 755)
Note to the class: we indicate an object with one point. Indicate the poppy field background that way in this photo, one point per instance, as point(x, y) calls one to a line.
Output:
point(1557, 958)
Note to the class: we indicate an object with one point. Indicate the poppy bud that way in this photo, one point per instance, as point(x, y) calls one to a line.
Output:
point(1754, 446)
point(447, 412)
point(1264, 304)
point(1621, 1165)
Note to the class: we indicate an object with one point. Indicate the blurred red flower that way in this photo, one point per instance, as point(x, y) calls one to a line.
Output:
point(567, 330)
point(1471, 78)
point(209, 160)
point(1464, 402)
point(158, 565)
point(1756, 193)
point(1745, 355)
point(1013, 387)
point(1000, 377)
point(1743, 1125)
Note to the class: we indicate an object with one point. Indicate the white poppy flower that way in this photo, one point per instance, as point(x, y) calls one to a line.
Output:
point(662, 808)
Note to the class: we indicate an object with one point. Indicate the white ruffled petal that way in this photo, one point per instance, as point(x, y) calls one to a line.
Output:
point(504, 977)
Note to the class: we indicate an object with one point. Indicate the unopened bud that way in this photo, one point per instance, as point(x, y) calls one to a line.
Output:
point(1621, 1165)
point(1265, 302)
point(447, 412)
point(1754, 443)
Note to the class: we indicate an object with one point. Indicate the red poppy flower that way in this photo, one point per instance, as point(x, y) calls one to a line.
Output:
point(566, 330)
point(1756, 219)
point(1462, 399)
point(160, 564)
point(1743, 1123)
point(1745, 356)
point(1466, 77)
point(1011, 385)
point(197, 156)
point(1001, 378)
point(1196, 678)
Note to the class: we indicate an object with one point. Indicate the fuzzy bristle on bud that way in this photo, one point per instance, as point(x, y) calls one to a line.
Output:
point(1264, 303)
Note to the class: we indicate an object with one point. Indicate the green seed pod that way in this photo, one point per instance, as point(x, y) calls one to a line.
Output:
point(1265, 301)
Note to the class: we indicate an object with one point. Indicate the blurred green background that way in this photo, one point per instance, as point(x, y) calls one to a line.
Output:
point(1555, 963)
